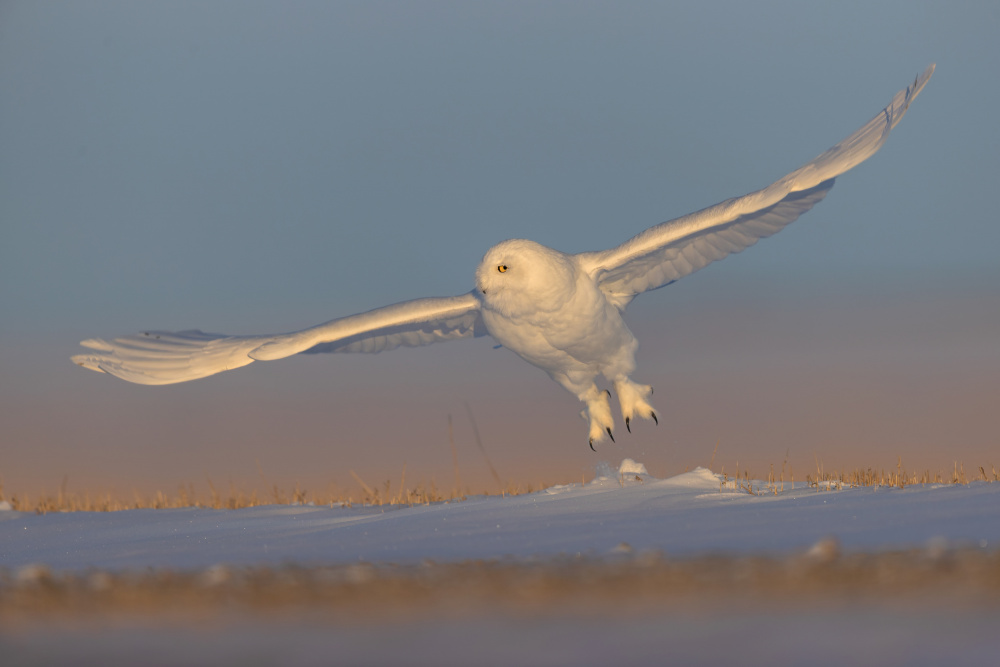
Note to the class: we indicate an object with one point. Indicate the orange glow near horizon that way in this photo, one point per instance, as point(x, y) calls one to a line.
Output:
point(844, 390)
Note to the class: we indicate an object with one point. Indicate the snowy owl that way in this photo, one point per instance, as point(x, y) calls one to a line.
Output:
point(560, 312)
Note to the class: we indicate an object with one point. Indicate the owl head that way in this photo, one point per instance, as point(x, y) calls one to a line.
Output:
point(519, 277)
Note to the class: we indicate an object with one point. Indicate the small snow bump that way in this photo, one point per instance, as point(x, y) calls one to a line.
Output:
point(5, 506)
point(622, 548)
point(825, 550)
point(216, 575)
point(363, 573)
point(35, 573)
point(630, 467)
point(603, 471)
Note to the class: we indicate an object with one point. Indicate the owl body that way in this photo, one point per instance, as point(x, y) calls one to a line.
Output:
point(544, 306)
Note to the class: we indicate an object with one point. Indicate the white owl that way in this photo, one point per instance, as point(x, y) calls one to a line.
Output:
point(560, 312)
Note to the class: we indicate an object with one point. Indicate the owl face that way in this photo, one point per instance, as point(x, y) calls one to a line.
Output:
point(518, 277)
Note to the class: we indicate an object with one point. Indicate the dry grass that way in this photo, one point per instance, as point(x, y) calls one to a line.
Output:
point(235, 498)
point(776, 481)
point(899, 477)
point(822, 480)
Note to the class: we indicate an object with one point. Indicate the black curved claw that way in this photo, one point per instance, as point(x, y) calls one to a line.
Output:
point(653, 415)
point(592, 445)
point(608, 392)
point(627, 426)
point(608, 429)
point(650, 391)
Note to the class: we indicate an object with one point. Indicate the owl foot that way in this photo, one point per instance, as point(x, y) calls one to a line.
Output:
point(598, 413)
point(633, 399)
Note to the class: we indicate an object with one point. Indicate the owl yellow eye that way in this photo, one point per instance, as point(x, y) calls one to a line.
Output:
point(502, 268)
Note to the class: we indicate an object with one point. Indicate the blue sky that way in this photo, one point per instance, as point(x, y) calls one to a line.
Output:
point(251, 167)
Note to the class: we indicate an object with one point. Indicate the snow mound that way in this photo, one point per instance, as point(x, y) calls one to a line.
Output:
point(699, 478)
point(603, 472)
point(630, 467)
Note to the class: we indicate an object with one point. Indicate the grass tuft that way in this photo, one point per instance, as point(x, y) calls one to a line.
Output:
point(822, 480)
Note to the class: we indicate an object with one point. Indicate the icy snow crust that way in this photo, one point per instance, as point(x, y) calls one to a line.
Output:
point(686, 515)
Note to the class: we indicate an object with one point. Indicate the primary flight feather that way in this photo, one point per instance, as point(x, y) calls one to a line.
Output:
point(560, 312)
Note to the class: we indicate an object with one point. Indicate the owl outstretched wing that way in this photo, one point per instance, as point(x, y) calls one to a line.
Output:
point(156, 357)
point(671, 250)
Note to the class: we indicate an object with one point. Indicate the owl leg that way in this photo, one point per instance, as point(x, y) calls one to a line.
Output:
point(598, 413)
point(633, 399)
point(580, 383)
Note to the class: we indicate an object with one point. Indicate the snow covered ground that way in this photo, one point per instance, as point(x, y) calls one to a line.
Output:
point(685, 515)
point(622, 514)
